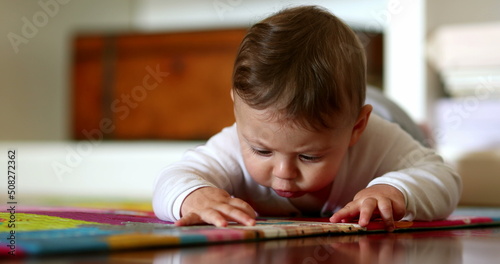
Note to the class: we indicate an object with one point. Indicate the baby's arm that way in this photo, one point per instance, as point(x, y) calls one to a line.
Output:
point(214, 206)
point(415, 179)
point(380, 200)
point(197, 188)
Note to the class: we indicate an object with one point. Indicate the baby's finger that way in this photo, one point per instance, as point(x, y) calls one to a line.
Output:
point(215, 217)
point(345, 214)
point(385, 209)
point(243, 206)
point(208, 216)
point(189, 219)
point(366, 211)
point(235, 214)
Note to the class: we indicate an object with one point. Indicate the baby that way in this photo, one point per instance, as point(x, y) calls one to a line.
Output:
point(304, 142)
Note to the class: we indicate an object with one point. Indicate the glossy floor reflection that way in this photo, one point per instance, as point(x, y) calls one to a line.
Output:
point(479, 245)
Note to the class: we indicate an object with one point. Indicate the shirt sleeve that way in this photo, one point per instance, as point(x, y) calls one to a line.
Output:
point(431, 187)
point(213, 164)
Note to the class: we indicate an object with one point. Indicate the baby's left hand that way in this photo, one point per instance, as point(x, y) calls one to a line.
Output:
point(376, 201)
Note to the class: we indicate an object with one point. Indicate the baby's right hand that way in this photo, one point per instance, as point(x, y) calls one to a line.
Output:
point(214, 206)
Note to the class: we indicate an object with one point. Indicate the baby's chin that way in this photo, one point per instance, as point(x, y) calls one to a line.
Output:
point(289, 194)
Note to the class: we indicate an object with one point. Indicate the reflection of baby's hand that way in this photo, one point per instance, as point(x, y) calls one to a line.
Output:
point(214, 206)
point(376, 201)
point(368, 250)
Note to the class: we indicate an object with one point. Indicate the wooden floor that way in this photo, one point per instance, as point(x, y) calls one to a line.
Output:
point(475, 245)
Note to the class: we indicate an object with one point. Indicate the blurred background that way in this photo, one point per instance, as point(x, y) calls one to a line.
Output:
point(112, 89)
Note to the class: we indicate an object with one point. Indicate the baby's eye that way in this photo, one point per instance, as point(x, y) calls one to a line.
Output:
point(261, 152)
point(309, 158)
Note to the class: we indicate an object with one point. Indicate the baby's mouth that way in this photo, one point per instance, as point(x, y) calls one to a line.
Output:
point(289, 194)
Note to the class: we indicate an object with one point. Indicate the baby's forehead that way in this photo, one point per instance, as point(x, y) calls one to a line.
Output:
point(281, 115)
point(285, 123)
point(303, 123)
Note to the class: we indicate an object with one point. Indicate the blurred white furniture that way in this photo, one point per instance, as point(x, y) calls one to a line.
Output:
point(91, 169)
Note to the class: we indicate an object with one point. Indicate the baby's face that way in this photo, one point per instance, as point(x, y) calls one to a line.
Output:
point(289, 159)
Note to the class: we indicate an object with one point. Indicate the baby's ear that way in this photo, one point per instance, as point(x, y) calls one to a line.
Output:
point(360, 124)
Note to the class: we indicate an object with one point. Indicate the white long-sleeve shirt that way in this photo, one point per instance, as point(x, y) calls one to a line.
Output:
point(385, 154)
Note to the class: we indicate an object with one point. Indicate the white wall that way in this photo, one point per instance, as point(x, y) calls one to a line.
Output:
point(196, 14)
point(404, 56)
point(35, 72)
point(84, 169)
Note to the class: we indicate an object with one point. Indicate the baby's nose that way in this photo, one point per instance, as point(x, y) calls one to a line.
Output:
point(285, 169)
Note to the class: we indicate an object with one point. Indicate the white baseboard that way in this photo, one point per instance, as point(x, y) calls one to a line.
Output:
point(86, 169)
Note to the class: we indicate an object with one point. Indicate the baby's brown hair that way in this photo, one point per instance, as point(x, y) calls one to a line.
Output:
point(307, 64)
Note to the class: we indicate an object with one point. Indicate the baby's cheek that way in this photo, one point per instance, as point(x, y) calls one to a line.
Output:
point(258, 171)
point(321, 177)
